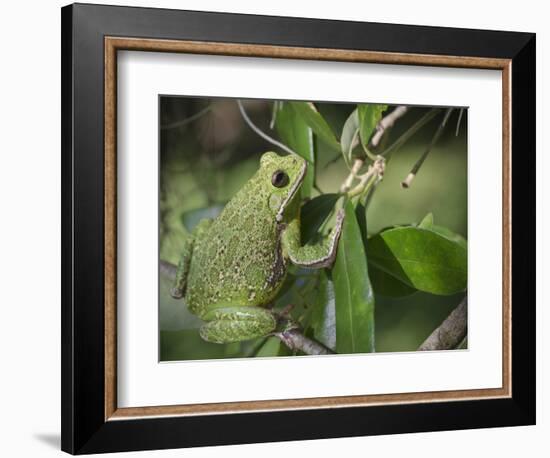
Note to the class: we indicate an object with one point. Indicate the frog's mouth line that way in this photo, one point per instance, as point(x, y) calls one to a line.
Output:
point(292, 192)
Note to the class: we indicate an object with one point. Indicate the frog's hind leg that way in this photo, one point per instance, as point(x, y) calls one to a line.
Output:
point(180, 282)
point(235, 324)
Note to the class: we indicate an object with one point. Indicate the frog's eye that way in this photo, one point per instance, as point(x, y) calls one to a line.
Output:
point(279, 179)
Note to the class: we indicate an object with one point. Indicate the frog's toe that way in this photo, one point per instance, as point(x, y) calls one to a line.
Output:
point(176, 293)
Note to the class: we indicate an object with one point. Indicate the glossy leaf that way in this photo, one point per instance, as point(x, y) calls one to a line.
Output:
point(308, 112)
point(420, 258)
point(349, 137)
point(314, 213)
point(381, 282)
point(323, 320)
point(271, 347)
point(388, 285)
point(369, 115)
point(449, 235)
point(353, 293)
point(428, 223)
point(361, 216)
point(296, 134)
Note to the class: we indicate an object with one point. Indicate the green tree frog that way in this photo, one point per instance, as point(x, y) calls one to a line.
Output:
point(232, 267)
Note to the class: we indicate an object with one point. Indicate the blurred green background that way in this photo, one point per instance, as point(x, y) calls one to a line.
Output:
point(207, 152)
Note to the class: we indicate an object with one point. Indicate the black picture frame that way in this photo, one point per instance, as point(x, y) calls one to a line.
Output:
point(84, 427)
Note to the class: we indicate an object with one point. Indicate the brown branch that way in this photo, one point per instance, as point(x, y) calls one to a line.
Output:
point(295, 340)
point(292, 338)
point(451, 332)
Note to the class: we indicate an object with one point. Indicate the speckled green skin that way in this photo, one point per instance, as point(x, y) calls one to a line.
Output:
point(233, 266)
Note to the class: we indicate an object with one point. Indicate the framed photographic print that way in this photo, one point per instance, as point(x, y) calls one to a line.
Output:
point(271, 222)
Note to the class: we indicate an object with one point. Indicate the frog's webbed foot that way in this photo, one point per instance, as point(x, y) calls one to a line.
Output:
point(284, 318)
point(176, 293)
point(285, 324)
point(235, 324)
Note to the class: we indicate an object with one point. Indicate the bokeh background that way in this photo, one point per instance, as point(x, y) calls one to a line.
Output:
point(207, 152)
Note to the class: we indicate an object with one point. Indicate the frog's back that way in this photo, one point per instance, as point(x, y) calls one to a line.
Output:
point(238, 260)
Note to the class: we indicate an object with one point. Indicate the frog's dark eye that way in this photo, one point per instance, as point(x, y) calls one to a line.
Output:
point(279, 179)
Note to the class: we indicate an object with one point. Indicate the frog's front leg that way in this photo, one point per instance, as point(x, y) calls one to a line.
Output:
point(180, 282)
point(319, 255)
point(237, 323)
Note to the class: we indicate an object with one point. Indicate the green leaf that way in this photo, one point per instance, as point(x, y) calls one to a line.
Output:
point(323, 320)
point(348, 138)
point(352, 290)
point(449, 235)
point(381, 282)
point(308, 112)
point(271, 347)
point(387, 285)
point(295, 132)
point(361, 215)
point(314, 213)
point(369, 116)
point(428, 223)
point(420, 258)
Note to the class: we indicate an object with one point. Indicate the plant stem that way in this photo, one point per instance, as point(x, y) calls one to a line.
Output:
point(373, 175)
point(262, 134)
point(410, 131)
point(416, 167)
point(387, 122)
point(188, 120)
point(458, 122)
point(346, 185)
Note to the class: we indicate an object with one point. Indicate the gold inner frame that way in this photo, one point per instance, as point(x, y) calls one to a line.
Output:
point(112, 45)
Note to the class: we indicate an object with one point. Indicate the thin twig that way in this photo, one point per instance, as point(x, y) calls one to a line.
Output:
point(188, 120)
point(382, 127)
point(373, 176)
point(295, 340)
point(274, 115)
point(410, 131)
point(258, 131)
point(406, 183)
point(461, 112)
point(449, 334)
point(346, 185)
point(385, 123)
